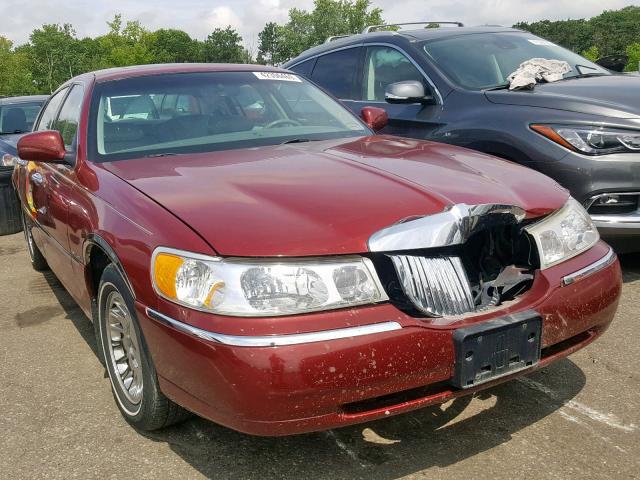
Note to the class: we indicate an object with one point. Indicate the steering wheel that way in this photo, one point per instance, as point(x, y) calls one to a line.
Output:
point(283, 121)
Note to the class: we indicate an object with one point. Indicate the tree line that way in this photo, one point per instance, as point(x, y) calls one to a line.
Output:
point(613, 32)
point(54, 53)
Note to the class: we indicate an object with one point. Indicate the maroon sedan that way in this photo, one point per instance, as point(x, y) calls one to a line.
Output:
point(250, 251)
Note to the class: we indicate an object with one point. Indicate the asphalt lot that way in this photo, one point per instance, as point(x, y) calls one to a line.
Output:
point(579, 418)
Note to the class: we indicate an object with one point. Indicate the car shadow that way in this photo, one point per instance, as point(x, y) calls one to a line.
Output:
point(384, 449)
point(630, 263)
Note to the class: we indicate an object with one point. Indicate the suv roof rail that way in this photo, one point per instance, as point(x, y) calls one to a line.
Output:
point(335, 37)
point(372, 28)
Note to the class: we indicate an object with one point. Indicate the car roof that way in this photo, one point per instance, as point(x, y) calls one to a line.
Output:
point(157, 69)
point(23, 99)
point(421, 34)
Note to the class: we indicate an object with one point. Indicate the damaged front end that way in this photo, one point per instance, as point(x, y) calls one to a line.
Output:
point(466, 259)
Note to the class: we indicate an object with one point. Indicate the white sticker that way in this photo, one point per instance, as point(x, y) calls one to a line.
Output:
point(286, 77)
point(537, 41)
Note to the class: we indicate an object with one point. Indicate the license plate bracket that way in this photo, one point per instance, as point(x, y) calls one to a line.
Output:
point(495, 348)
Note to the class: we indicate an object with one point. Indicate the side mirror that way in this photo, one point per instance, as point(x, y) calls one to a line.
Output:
point(46, 146)
point(375, 118)
point(410, 91)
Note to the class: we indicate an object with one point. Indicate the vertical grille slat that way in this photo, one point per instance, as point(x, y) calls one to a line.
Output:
point(436, 286)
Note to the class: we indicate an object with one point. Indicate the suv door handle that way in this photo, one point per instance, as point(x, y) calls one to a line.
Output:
point(37, 178)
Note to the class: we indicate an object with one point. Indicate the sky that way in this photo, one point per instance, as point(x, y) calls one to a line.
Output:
point(200, 17)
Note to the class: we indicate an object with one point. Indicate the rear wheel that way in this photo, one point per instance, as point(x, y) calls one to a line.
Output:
point(38, 262)
point(133, 377)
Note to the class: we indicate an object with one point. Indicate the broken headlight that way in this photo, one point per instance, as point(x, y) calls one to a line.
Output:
point(563, 234)
point(264, 287)
point(591, 140)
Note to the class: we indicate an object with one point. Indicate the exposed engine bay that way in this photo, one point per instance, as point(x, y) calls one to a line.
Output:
point(493, 266)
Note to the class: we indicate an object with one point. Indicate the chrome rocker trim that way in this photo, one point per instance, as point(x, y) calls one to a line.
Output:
point(604, 262)
point(273, 340)
point(454, 226)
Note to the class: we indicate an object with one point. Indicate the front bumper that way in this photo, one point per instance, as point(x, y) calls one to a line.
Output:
point(588, 178)
point(315, 383)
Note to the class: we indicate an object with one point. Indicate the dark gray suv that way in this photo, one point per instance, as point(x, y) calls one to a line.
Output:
point(450, 85)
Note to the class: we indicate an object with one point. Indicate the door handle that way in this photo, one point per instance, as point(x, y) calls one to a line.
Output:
point(37, 178)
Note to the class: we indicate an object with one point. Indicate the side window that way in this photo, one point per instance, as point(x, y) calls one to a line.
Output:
point(49, 113)
point(67, 122)
point(382, 66)
point(336, 71)
point(304, 68)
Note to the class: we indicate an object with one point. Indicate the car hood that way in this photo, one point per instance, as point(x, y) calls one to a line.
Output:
point(610, 95)
point(327, 197)
point(9, 143)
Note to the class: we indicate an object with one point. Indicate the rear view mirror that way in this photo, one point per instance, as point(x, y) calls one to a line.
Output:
point(375, 118)
point(46, 146)
point(410, 91)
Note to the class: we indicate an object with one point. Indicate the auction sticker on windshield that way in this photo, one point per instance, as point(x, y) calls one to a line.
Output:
point(287, 77)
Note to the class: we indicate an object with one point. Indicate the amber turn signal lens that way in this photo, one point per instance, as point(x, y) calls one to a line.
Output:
point(552, 135)
point(165, 270)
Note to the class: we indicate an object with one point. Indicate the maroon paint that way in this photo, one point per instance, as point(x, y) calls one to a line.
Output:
point(375, 118)
point(321, 198)
point(45, 146)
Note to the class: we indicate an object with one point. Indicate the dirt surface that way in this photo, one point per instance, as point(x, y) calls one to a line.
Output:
point(579, 418)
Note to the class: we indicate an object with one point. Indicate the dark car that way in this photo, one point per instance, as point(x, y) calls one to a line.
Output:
point(17, 115)
point(583, 131)
point(248, 249)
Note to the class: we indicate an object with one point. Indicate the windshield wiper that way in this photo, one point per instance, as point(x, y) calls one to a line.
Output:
point(504, 86)
point(165, 154)
point(296, 140)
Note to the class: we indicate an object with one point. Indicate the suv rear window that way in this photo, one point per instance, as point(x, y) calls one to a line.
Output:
point(336, 71)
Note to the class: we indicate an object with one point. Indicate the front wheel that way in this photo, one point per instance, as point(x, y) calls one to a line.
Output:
point(134, 382)
point(38, 262)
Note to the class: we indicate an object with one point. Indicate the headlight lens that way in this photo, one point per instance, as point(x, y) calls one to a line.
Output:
point(8, 160)
point(244, 287)
point(592, 140)
point(564, 234)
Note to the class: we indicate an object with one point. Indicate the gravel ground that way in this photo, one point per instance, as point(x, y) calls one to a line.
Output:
point(579, 418)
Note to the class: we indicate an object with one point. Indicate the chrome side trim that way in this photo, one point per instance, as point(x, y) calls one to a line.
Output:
point(604, 262)
point(628, 220)
point(451, 227)
point(273, 340)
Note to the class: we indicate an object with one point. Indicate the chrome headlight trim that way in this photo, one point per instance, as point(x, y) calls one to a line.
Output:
point(454, 226)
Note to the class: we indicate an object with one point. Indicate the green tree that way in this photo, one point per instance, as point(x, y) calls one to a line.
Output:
point(592, 53)
point(224, 46)
point(633, 52)
point(53, 56)
point(15, 73)
point(279, 43)
point(173, 46)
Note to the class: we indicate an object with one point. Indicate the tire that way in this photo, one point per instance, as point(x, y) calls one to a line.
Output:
point(38, 262)
point(134, 382)
point(9, 207)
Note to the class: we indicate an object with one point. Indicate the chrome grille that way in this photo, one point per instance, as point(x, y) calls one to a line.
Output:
point(436, 286)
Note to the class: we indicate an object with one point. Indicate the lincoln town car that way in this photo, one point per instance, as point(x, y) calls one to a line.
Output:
point(251, 251)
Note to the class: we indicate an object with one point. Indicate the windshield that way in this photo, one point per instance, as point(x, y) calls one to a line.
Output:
point(485, 60)
point(172, 114)
point(18, 117)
